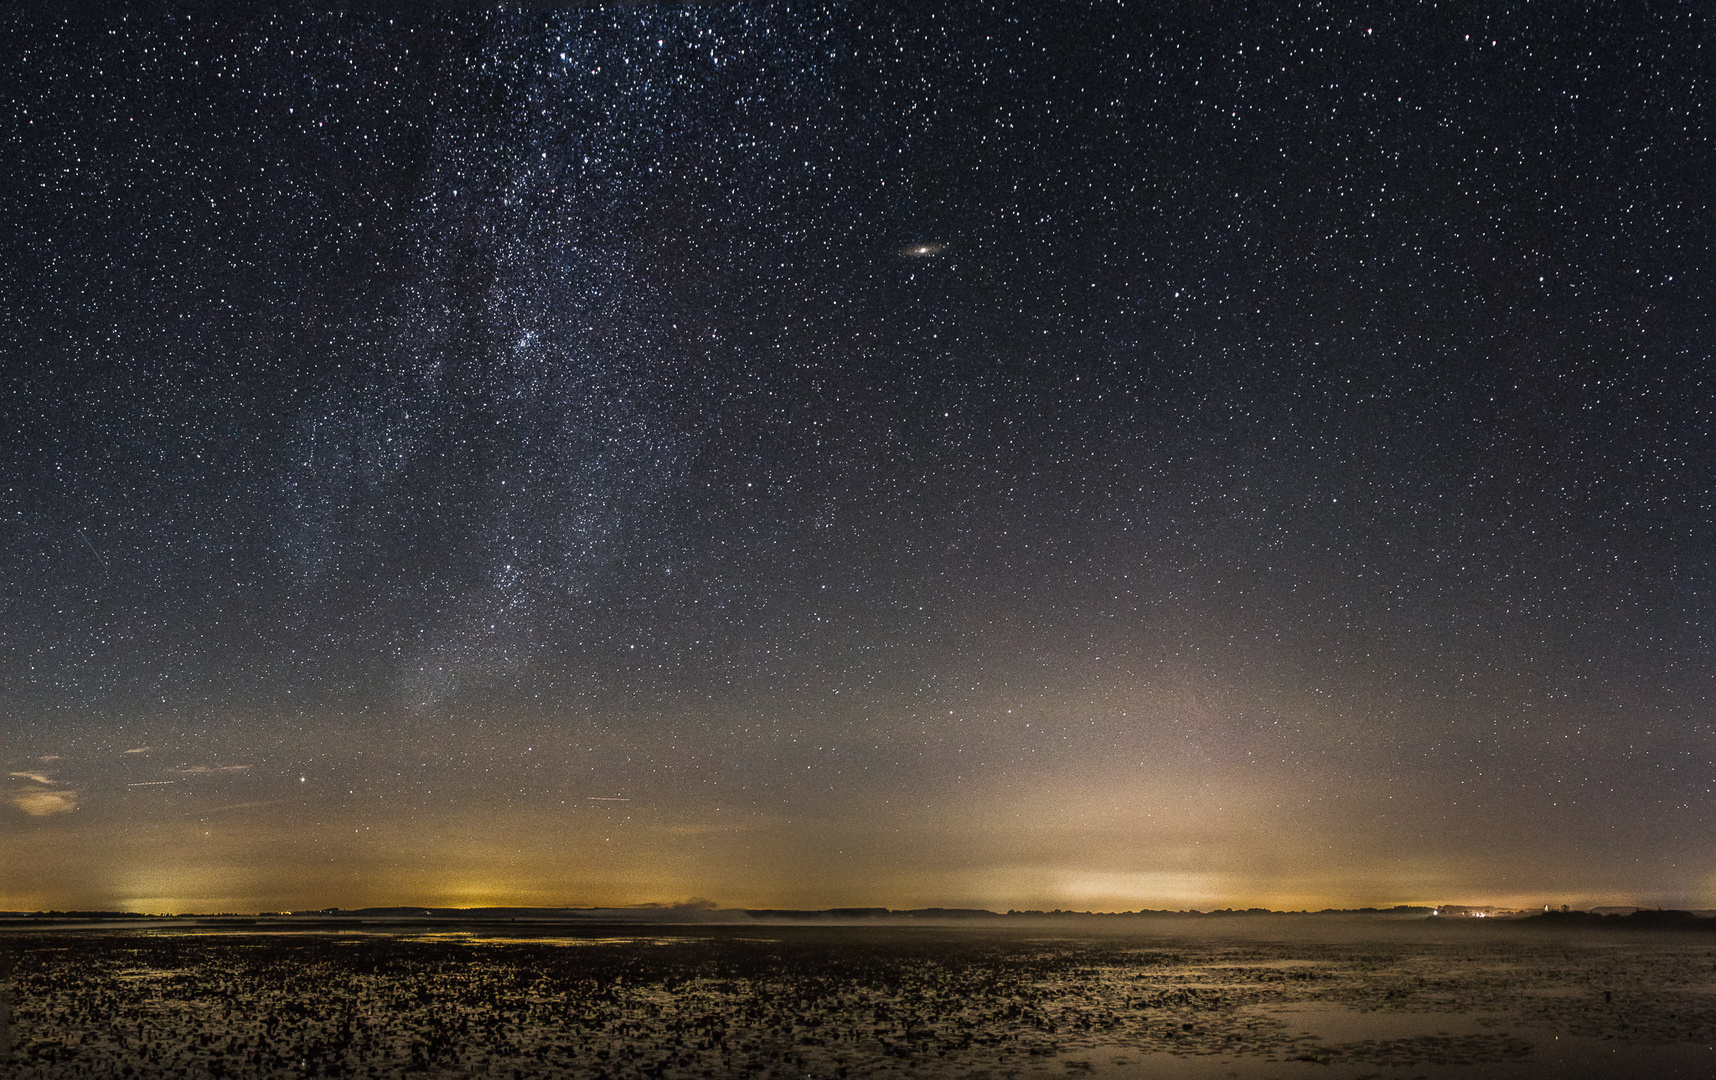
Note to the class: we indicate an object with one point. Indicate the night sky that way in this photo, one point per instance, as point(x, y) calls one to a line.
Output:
point(1084, 456)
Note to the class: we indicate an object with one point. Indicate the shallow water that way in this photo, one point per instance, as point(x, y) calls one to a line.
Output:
point(858, 1002)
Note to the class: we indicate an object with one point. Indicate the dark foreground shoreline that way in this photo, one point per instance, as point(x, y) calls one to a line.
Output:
point(534, 1000)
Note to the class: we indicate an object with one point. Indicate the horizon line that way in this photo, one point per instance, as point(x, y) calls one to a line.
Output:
point(705, 912)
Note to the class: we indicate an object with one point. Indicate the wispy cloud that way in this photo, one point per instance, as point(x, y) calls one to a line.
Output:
point(43, 801)
point(140, 750)
point(40, 778)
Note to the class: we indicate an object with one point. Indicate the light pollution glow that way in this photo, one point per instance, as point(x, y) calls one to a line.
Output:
point(1113, 819)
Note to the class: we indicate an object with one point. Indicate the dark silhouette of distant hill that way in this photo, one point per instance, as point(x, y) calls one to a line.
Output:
point(701, 913)
point(1643, 919)
point(704, 913)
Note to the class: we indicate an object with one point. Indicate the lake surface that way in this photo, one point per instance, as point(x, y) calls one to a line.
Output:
point(791, 1001)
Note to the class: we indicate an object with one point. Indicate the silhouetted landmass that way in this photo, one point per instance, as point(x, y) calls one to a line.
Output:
point(702, 914)
point(830, 913)
point(76, 915)
point(1644, 919)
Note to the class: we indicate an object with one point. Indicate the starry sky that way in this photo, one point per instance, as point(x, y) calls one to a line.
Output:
point(1091, 456)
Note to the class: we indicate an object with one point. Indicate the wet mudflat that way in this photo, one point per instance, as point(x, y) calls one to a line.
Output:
point(975, 1004)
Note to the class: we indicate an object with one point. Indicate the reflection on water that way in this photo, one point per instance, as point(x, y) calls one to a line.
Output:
point(847, 1003)
point(1341, 1024)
